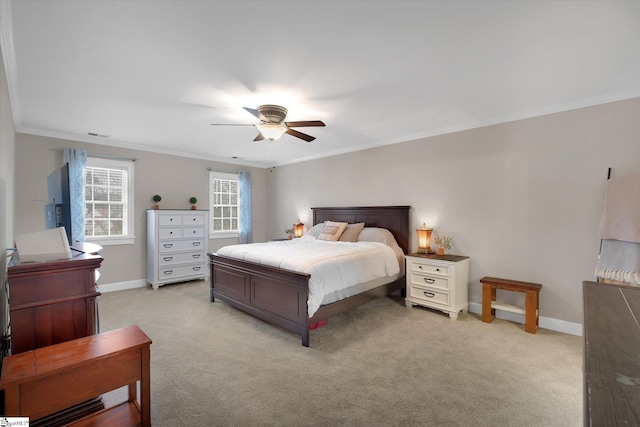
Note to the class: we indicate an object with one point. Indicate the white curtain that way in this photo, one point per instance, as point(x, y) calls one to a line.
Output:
point(77, 160)
point(244, 180)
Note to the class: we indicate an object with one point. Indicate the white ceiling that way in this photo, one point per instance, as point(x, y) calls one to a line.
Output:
point(153, 75)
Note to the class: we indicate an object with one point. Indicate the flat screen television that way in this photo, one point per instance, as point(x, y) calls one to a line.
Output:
point(57, 212)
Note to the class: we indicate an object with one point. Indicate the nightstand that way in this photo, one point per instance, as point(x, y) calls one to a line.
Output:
point(440, 282)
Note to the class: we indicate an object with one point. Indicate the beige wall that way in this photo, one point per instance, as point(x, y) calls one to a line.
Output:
point(176, 179)
point(7, 150)
point(522, 199)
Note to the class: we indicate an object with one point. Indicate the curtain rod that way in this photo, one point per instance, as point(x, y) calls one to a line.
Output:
point(210, 169)
point(104, 156)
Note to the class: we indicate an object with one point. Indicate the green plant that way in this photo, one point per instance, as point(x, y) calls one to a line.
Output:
point(193, 200)
point(156, 198)
point(443, 241)
point(288, 230)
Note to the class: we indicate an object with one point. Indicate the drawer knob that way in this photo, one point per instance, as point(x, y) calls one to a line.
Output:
point(194, 231)
point(196, 268)
point(429, 294)
point(196, 243)
point(429, 281)
point(171, 232)
point(168, 258)
point(168, 245)
point(168, 272)
point(420, 267)
point(196, 256)
point(437, 269)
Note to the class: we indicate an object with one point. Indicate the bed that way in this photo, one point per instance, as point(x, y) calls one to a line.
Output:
point(280, 296)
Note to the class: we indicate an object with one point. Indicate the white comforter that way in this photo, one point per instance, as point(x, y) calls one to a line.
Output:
point(332, 265)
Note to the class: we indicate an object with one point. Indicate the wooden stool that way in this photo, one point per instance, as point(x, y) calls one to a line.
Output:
point(489, 303)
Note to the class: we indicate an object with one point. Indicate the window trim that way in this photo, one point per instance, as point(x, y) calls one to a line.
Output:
point(231, 177)
point(128, 239)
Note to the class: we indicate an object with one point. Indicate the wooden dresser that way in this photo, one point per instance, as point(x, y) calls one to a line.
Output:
point(52, 302)
point(611, 350)
point(177, 242)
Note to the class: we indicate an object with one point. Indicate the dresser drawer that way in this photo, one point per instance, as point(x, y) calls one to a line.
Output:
point(193, 232)
point(193, 219)
point(430, 296)
point(170, 233)
point(187, 270)
point(419, 267)
point(169, 219)
point(181, 245)
point(430, 281)
point(180, 258)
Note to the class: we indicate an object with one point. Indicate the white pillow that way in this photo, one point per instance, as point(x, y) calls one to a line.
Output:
point(332, 231)
point(316, 230)
point(374, 234)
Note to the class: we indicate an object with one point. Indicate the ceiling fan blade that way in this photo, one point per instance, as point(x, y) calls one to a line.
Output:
point(260, 137)
point(300, 135)
point(256, 113)
point(303, 124)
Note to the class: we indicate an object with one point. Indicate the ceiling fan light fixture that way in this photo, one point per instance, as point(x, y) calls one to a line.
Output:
point(271, 131)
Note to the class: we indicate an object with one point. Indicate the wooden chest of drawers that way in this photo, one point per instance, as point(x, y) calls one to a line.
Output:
point(177, 242)
point(439, 282)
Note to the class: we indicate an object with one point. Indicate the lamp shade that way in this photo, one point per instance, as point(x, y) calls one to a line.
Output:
point(424, 240)
point(298, 229)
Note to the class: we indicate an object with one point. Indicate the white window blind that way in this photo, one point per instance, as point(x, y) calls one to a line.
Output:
point(225, 204)
point(109, 201)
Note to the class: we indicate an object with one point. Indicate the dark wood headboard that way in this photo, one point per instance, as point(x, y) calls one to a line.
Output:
point(393, 218)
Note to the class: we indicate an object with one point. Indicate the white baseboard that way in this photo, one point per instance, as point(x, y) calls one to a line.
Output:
point(121, 286)
point(543, 322)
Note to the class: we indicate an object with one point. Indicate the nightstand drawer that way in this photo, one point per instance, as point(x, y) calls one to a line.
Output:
point(429, 268)
point(431, 296)
point(431, 281)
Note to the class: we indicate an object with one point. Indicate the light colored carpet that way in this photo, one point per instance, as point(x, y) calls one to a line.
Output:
point(379, 365)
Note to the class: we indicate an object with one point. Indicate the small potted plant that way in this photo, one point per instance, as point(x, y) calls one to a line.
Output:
point(289, 231)
point(193, 202)
point(443, 242)
point(156, 199)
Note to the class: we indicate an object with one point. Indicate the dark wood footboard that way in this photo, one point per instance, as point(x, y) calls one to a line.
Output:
point(274, 295)
point(280, 296)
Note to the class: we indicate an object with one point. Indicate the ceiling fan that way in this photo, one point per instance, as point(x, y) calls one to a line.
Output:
point(272, 124)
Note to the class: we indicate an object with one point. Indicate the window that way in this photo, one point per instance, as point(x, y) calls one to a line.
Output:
point(109, 201)
point(224, 193)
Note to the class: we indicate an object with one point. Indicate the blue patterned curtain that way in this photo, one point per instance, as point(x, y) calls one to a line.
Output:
point(77, 160)
point(244, 179)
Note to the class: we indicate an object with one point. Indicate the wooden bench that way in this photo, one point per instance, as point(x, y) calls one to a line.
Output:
point(41, 382)
point(531, 309)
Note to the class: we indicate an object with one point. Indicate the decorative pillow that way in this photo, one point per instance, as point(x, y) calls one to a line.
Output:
point(332, 231)
point(316, 230)
point(350, 234)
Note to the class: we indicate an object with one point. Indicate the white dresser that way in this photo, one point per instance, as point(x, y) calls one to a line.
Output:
point(440, 282)
point(177, 242)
